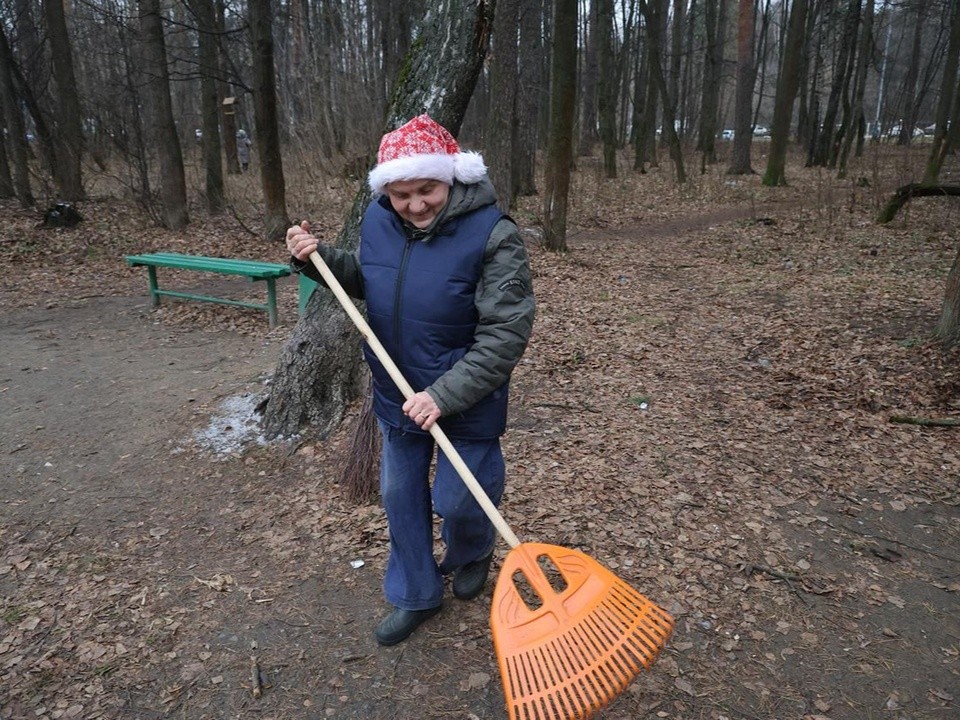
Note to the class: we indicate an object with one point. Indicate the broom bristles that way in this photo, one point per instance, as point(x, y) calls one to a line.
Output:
point(361, 471)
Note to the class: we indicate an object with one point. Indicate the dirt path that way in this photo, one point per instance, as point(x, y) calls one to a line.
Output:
point(807, 548)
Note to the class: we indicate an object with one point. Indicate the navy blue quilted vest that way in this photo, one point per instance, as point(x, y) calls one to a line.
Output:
point(420, 305)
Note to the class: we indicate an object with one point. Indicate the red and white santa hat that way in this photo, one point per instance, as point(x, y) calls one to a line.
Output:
point(422, 149)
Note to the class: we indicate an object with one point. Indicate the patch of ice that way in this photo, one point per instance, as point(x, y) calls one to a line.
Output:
point(233, 425)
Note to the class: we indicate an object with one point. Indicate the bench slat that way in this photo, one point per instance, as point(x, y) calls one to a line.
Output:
point(225, 266)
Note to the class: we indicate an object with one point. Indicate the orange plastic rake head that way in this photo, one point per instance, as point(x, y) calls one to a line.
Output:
point(582, 646)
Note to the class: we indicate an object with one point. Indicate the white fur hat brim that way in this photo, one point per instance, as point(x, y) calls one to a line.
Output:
point(466, 167)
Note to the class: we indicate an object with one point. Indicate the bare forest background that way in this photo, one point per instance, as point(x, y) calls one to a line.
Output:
point(146, 98)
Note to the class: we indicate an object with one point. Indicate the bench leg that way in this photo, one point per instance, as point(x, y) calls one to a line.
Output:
point(152, 276)
point(272, 301)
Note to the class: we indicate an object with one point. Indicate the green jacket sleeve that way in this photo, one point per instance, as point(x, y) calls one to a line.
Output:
point(505, 304)
point(344, 265)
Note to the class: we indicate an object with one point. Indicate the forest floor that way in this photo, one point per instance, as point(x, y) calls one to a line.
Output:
point(705, 408)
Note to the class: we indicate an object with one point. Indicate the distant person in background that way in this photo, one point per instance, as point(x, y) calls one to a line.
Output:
point(243, 149)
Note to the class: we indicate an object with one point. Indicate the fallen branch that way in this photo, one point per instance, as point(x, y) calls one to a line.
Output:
point(927, 422)
point(906, 193)
point(256, 688)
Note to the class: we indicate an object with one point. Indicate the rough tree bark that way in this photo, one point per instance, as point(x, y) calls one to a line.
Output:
point(320, 370)
point(163, 130)
point(563, 86)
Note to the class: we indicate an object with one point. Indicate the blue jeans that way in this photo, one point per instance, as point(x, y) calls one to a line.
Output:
point(414, 580)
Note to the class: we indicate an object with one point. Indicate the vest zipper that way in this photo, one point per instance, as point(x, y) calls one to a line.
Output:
point(401, 276)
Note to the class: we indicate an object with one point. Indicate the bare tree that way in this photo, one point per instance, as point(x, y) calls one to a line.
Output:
point(320, 371)
point(275, 218)
point(855, 123)
point(69, 130)
point(502, 113)
point(529, 101)
point(608, 86)
point(588, 82)
point(909, 119)
point(162, 128)
point(16, 135)
point(825, 152)
point(563, 85)
point(210, 102)
point(787, 85)
point(652, 13)
point(714, 26)
point(746, 75)
point(948, 105)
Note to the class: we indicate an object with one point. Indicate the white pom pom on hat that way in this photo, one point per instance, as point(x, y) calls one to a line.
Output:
point(422, 149)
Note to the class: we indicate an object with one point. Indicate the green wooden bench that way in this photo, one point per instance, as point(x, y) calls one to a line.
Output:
point(268, 272)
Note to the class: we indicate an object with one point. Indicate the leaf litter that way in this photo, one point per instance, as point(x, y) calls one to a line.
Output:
point(805, 544)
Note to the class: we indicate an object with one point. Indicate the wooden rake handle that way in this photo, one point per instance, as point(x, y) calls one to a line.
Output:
point(438, 435)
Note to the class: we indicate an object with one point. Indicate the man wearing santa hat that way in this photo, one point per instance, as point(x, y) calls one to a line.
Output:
point(448, 292)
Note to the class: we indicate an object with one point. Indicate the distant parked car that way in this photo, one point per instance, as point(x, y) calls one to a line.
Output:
point(761, 131)
point(894, 132)
point(727, 135)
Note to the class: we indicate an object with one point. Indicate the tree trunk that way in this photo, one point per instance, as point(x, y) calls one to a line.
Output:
point(501, 117)
point(563, 86)
point(69, 129)
point(787, 84)
point(743, 106)
point(825, 150)
point(530, 100)
point(651, 11)
point(210, 102)
point(640, 83)
point(608, 86)
point(856, 125)
point(714, 11)
point(320, 370)
point(275, 219)
point(676, 57)
point(13, 121)
point(909, 119)
point(948, 99)
point(163, 129)
point(6, 180)
point(948, 329)
point(589, 81)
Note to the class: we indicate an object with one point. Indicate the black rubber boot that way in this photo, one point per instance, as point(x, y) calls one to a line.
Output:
point(468, 581)
point(400, 624)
